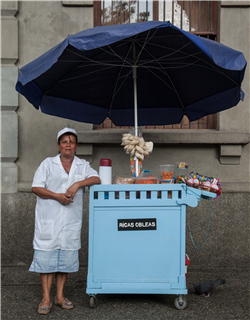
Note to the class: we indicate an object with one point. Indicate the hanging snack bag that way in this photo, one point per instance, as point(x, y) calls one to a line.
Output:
point(206, 186)
point(190, 180)
point(196, 182)
point(214, 185)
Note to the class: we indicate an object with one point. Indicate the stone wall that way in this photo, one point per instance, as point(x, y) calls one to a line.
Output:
point(227, 243)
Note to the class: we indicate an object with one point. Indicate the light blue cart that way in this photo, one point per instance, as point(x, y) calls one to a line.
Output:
point(137, 239)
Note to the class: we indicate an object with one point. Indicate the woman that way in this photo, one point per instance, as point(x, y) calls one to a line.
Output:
point(59, 183)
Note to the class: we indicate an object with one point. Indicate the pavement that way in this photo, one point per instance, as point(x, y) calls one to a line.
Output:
point(21, 294)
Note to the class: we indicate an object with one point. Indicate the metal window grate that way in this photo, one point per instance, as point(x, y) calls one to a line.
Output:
point(198, 17)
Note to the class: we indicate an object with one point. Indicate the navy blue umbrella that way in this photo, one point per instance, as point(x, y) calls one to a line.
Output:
point(152, 70)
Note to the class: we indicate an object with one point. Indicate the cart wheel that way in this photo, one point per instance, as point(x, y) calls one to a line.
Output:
point(180, 305)
point(91, 302)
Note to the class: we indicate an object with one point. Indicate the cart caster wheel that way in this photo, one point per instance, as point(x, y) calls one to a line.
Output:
point(91, 302)
point(180, 305)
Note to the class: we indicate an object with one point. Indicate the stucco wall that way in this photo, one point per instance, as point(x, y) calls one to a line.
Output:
point(235, 33)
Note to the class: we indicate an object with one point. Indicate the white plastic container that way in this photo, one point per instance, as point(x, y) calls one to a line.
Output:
point(105, 171)
point(167, 171)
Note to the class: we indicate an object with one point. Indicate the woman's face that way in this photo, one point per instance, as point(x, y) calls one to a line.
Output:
point(67, 145)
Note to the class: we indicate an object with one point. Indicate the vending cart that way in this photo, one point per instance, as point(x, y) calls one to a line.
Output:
point(137, 239)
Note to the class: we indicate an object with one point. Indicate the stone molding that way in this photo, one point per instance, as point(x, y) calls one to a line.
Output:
point(168, 136)
point(9, 136)
point(9, 177)
point(230, 154)
point(75, 3)
point(9, 8)
point(235, 3)
point(230, 142)
point(9, 96)
point(9, 40)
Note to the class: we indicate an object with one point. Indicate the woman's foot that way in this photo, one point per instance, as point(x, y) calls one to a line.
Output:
point(63, 303)
point(44, 307)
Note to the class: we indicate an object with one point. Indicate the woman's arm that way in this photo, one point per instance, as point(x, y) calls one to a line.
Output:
point(47, 194)
point(80, 184)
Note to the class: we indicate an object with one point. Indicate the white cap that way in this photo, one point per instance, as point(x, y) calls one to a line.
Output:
point(66, 130)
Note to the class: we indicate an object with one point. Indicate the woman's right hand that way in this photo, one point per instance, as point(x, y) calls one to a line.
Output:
point(63, 199)
point(47, 194)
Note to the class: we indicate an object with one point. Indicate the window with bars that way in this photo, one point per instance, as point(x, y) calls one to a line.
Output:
point(197, 17)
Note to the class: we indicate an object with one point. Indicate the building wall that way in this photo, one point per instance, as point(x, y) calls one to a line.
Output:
point(30, 28)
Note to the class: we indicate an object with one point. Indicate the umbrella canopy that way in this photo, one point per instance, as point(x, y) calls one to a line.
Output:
point(93, 75)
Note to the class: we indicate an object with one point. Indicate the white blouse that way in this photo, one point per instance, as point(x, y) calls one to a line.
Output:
point(58, 226)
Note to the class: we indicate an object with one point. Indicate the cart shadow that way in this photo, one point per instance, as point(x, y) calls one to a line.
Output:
point(134, 299)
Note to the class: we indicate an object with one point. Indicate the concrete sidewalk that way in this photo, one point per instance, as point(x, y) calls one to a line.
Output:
point(21, 294)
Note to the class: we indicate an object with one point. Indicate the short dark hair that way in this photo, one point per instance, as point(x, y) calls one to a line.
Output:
point(68, 133)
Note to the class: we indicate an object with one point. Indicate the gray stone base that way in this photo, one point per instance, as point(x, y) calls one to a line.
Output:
point(9, 177)
point(227, 243)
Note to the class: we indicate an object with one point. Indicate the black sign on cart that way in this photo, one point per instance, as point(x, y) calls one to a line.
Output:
point(136, 224)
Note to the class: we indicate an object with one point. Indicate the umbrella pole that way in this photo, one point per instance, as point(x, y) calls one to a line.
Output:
point(135, 110)
point(135, 101)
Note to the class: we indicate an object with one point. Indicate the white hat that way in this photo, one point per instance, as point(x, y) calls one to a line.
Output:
point(66, 130)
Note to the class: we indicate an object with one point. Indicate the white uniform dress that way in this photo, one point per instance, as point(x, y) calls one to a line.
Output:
point(58, 227)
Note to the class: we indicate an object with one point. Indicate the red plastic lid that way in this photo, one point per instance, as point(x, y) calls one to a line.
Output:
point(187, 260)
point(105, 163)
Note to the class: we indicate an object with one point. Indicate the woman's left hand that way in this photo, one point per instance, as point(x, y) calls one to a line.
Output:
point(72, 190)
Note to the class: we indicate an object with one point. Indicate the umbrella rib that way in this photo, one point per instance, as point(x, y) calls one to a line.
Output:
point(190, 64)
point(167, 36)
point(88, 59)
point(115, 54)
point(178, 67)
point(175, 51)
point(143, 47)
point(90, 65)
point(86, 74)
point(142, 65)
point(168, 78)
point(105, 63)
point(160, 78)
point(67, 49)
point(115, 93)
point(117, 79)
point(217, 70)
point(144, 44)
point(200, 59)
